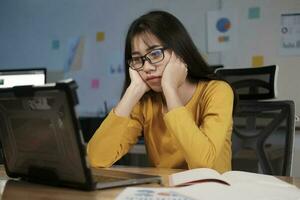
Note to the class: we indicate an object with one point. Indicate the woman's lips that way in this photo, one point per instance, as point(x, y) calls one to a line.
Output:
point(153, 79)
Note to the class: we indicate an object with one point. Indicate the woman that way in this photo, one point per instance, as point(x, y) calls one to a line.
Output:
point(172, 98)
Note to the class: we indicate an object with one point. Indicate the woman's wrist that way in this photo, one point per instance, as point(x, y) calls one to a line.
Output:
point(130, 98)
point(172, 97)
point(136, 90)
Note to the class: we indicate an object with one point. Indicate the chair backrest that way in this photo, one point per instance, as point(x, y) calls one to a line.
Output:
point(263, 137)
point(252, 83)
point(214, 68)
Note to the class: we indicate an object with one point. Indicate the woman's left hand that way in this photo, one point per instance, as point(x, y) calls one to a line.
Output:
point(174, 74)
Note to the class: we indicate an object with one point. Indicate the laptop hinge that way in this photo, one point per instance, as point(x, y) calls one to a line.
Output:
point(24, 90)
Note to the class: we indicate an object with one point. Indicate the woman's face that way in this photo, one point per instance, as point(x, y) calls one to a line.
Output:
point(147, 44)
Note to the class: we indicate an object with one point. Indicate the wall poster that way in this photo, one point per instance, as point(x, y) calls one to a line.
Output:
point(290, 34)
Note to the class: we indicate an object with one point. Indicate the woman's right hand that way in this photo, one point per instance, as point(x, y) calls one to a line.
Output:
point(132, 95)
point(137, 81)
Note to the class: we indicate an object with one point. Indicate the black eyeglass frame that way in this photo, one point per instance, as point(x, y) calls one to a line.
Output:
point(144, 58)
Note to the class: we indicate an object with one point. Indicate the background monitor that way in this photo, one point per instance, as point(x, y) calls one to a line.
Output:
point(16, 77)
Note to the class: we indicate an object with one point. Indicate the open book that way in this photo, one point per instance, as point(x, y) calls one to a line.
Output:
point(232, 185)
point(201, 175)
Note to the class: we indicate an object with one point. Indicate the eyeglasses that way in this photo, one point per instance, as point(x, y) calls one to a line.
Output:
point(153, 57)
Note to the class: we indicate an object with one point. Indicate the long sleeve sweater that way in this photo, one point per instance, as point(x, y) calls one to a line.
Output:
point(197, 134)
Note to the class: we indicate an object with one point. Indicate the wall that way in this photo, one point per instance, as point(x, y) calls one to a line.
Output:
point(262, 37)
point(27, 29)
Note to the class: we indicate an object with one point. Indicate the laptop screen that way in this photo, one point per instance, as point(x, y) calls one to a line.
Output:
point(16, 77)
point(39, 135)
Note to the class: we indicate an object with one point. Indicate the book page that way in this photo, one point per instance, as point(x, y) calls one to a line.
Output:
point(245, 191)
point(238, 177)
point(195, 176)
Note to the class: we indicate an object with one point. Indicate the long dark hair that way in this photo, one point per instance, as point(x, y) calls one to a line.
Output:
point(172, 34)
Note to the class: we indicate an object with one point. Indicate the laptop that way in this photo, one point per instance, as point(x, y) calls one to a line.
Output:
point(42, 141)
point(26, 76)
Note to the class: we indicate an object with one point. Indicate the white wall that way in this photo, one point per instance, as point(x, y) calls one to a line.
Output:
point(262, 37)
point(27, 29)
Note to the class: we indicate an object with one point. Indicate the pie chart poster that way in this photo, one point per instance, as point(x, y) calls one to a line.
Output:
point(221, 31)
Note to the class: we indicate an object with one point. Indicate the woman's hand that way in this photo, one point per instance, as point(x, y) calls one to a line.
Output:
point(137, 81)
point(173, 77)
point(132, 95)
point(174, 74)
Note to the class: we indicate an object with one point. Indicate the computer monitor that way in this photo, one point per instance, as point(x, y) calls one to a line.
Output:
point(16, 77)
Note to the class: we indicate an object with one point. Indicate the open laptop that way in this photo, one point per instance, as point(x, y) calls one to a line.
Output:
point(42, 142)
point(26, 76)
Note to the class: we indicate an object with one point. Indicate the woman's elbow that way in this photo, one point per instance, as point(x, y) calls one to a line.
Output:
point(203, 161)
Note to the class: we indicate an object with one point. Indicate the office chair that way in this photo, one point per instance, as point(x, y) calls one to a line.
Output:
point(252, 83)
point(263, 137)
point(263, 131)
point(214, 68)
point(89, 125)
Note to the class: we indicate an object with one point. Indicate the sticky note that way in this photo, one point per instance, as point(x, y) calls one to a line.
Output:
point(95, 83)
point(100, 36)
point(254, 13)
point(55, 44)
point(257, 61)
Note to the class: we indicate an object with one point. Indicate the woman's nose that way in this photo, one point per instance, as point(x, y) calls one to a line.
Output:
point(148, 66)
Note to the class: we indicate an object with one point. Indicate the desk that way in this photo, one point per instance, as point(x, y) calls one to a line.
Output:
point(15, 190)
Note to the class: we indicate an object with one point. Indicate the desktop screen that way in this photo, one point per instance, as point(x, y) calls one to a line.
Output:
point(16, 77)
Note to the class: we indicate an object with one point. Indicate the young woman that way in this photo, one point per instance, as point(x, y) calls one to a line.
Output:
point(170, 95)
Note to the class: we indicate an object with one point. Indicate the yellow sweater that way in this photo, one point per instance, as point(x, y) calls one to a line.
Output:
point(195, 135)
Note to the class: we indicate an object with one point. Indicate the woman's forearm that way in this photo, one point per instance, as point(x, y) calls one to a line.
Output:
point(132, 95)
point(172, 98)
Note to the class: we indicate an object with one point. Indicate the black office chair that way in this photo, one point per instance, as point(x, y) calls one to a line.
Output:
point(263, 131)
point(263, 137)
point(214, 68)
point(252, 83)
point(89, 125)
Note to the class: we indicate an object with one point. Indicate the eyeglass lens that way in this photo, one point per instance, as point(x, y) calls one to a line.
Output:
point(153, 57)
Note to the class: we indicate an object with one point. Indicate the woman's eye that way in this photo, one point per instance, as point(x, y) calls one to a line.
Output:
point(136, 60)
point(155, 53)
